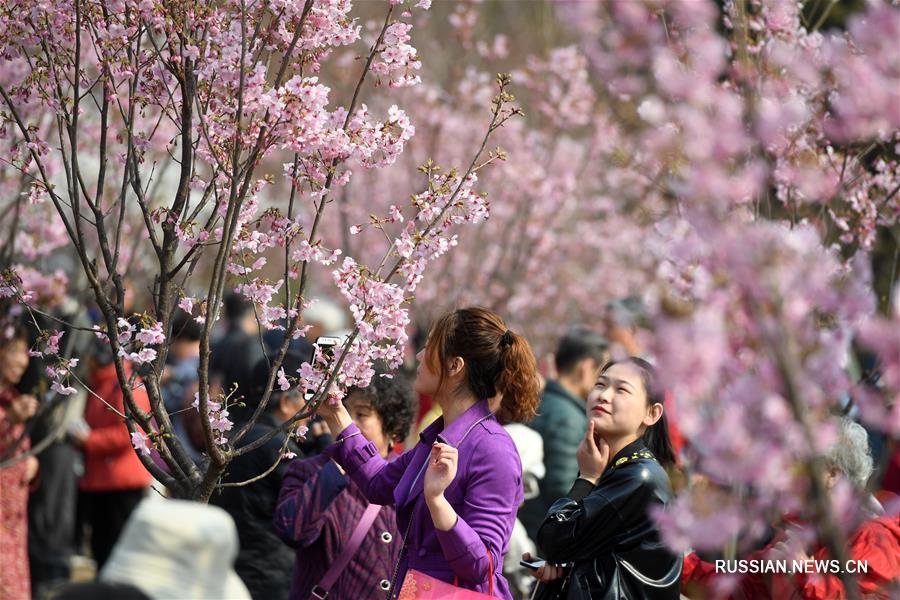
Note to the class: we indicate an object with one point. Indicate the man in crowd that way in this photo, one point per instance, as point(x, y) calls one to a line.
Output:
point(236, 352)
point(562, 420)
point(264, 562)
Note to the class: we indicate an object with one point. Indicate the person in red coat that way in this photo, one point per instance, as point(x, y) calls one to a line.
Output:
point(876, 541)
point(114, 480)
point(15, 409)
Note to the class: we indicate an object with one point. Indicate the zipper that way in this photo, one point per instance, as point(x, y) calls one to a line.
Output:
point(390, 592)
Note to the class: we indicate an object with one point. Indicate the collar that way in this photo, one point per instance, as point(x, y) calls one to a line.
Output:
point(555, 387)
point(458, 429)
point(633, 451)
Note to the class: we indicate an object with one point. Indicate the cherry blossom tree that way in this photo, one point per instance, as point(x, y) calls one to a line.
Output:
point(155, 133)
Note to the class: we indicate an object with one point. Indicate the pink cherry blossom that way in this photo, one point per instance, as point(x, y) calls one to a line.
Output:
point(52, 345)
point(63, 390)
point(139, 442)
point(283, 382)
point(153, 335)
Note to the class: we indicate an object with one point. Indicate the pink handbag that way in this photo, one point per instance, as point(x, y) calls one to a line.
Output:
point(419, 586)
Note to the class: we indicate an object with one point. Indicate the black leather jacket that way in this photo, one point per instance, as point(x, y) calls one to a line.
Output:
point(607, 532)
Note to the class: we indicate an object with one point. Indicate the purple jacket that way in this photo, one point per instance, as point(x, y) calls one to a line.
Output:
point(318, 509)
point(486, 494)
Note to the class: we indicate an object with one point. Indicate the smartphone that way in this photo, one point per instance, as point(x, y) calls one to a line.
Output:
point(534, 564)
point(326, 344)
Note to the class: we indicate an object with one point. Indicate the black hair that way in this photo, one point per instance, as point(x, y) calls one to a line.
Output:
point(185, 328)
point(236, 307)
point(580, 343)
point(394, 401)
point(656, 437)
point(259, 376)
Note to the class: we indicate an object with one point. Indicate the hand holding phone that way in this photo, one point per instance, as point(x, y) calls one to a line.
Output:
point(533, 564)
point(541, 570)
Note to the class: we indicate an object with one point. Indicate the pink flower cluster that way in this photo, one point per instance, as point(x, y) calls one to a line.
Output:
point(398, 59)
point(58, 368)
point(218, 418)
point(734, 341)
point(562, 87)
point(134, 341)
point(878, 334)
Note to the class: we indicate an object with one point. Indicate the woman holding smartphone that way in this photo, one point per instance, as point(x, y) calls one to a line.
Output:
point(457, 491)
point(604, 525)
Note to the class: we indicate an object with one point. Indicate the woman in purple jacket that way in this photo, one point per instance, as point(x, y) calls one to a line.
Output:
point(457, 492)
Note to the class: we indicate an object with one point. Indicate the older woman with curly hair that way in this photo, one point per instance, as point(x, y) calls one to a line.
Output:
point(319, 506)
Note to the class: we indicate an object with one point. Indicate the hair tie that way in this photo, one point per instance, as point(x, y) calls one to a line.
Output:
point(506, 339)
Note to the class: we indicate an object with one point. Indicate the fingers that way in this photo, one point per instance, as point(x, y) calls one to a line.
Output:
point(441, 451)
point(443, 458)
point(548, 573)
point(442, 463)
point(589, 437)
point(445, 448)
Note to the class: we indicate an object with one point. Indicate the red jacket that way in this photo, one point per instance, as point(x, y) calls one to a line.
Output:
point(876, 541)
point(110, 462)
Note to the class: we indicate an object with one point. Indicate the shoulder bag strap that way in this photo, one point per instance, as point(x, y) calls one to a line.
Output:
point(337, 567)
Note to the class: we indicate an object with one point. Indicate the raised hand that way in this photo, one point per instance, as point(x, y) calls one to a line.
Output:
point(22, 408)
point(441, 469)
point(546, 573)
point(592, 455)
point(336, 416)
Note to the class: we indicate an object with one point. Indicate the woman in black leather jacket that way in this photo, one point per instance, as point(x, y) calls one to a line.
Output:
point(604, 526)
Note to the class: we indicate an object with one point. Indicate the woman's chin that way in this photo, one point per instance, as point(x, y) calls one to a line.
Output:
point(422, 389)
point(601, 423)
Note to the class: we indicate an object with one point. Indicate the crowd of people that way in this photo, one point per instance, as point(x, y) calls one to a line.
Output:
point(477, 472)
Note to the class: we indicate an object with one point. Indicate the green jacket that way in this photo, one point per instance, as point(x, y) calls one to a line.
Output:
point(561, 421)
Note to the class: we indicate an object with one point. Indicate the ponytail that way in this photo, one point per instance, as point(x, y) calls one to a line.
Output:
point(657, 440)
point(496, 359)
point(517, 381)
